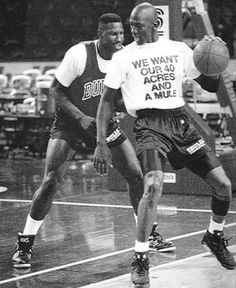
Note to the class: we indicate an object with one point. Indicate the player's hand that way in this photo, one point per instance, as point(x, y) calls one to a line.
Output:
point(102, 159)
point(89, 125)
point(213, 38)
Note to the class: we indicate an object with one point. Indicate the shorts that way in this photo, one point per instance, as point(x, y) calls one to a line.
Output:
point(171, 133)
point(80, 139)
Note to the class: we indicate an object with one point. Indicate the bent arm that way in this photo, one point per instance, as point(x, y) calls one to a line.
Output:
point(60, 93)
point(208, 83)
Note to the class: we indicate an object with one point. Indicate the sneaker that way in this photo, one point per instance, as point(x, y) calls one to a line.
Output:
point(140, 272)
point(23, 250)
point(217, 244)
point(158, 244)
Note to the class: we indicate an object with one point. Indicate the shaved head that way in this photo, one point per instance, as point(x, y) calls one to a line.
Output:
point(145, 11)
point(144, 23)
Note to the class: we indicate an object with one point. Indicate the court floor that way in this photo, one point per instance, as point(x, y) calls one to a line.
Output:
point(87, 238)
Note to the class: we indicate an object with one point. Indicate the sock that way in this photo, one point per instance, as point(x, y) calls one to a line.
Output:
point(141, 246)
point(215, 226)
point(32, 226)
point(136, 219)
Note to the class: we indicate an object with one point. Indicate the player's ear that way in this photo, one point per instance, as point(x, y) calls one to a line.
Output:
point(155, 24)
point(99, 33)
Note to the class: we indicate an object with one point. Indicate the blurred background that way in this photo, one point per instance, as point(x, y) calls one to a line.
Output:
point(34, 36)
point(44, 30)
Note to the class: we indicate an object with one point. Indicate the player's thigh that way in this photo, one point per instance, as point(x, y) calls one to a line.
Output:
point(124, 159)
point(151, 160)
point(204, 164)
point(58, 152)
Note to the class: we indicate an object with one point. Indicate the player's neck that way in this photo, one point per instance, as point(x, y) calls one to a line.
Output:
point(104, 53)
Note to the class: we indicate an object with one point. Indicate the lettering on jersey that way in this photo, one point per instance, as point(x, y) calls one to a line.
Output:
point(93, 89)
point(159, 73)
point(196, 146)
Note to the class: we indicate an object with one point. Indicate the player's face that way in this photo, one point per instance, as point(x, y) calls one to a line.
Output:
point(141, 28)
point(113, 36)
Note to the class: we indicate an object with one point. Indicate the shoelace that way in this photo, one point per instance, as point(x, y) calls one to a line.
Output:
point(141, 265)
point(223, 242)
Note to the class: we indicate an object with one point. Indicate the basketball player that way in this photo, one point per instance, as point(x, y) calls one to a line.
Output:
point(150, 73)
point(77, 89)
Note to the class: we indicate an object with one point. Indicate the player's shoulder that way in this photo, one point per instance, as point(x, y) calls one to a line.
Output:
point(80, 47)
point(180, 46)
point(173, 42)
point(126, 49)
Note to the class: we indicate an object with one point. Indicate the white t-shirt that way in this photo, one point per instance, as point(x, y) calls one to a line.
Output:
point(74, 62)
point(151, 75)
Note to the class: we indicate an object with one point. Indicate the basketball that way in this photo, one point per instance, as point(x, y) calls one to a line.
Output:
point(211, 57)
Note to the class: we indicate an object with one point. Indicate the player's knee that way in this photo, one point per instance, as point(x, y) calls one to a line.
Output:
point(49, 182)
point(153, 186)
point(223, 191)
point(153, 192)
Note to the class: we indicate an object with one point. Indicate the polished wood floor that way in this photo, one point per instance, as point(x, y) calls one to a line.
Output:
point(87, 238)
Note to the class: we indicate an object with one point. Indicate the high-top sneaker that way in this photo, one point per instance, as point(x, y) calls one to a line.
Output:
point(217, 244)
point(23, 250)
point(157, 243)
point(140, 272)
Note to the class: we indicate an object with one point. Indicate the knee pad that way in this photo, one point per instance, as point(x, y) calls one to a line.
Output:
point(219, 207)
point(223, 192)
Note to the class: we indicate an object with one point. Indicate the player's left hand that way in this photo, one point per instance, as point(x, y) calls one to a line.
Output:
point(213, 38)
point(102, 159)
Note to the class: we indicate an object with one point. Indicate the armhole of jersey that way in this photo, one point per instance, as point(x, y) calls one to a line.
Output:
point(91, 52)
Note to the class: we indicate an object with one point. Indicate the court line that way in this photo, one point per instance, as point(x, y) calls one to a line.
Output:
point(162, 207)
point(97, 258)
point(153, 269)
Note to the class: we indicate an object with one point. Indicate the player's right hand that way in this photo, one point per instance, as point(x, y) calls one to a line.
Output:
point(102, 159)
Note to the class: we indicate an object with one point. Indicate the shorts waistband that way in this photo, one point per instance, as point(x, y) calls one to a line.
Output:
point(150, 112)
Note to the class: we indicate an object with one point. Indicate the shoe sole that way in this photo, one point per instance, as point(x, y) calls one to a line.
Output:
point(169, 249)
point(141, 285)
point(206, 247)
point(21, 265)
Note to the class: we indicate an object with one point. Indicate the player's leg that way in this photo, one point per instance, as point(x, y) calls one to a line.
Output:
point(125, 161)
point(152, 164)
point(58, 152)
point(209, 168)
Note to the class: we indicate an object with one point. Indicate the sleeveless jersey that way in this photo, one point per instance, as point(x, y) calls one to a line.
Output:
point(85, 91)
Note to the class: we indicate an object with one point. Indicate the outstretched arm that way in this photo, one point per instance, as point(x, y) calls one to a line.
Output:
point(102, 155)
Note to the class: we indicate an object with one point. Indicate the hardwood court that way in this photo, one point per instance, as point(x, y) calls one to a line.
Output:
point(87, 238)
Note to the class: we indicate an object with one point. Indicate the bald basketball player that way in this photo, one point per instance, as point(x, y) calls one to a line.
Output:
point(150, 73)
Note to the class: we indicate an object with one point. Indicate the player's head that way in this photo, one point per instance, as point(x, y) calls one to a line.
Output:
point(144, 23)
point(111, 31)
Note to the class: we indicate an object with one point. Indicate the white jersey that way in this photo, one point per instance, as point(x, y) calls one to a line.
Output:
point(151, 75)
point(74, 62)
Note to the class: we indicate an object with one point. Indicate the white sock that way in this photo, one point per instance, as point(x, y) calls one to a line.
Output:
point(215, 226)
point(141, 246)
point(136, 219)
point(32, 226)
